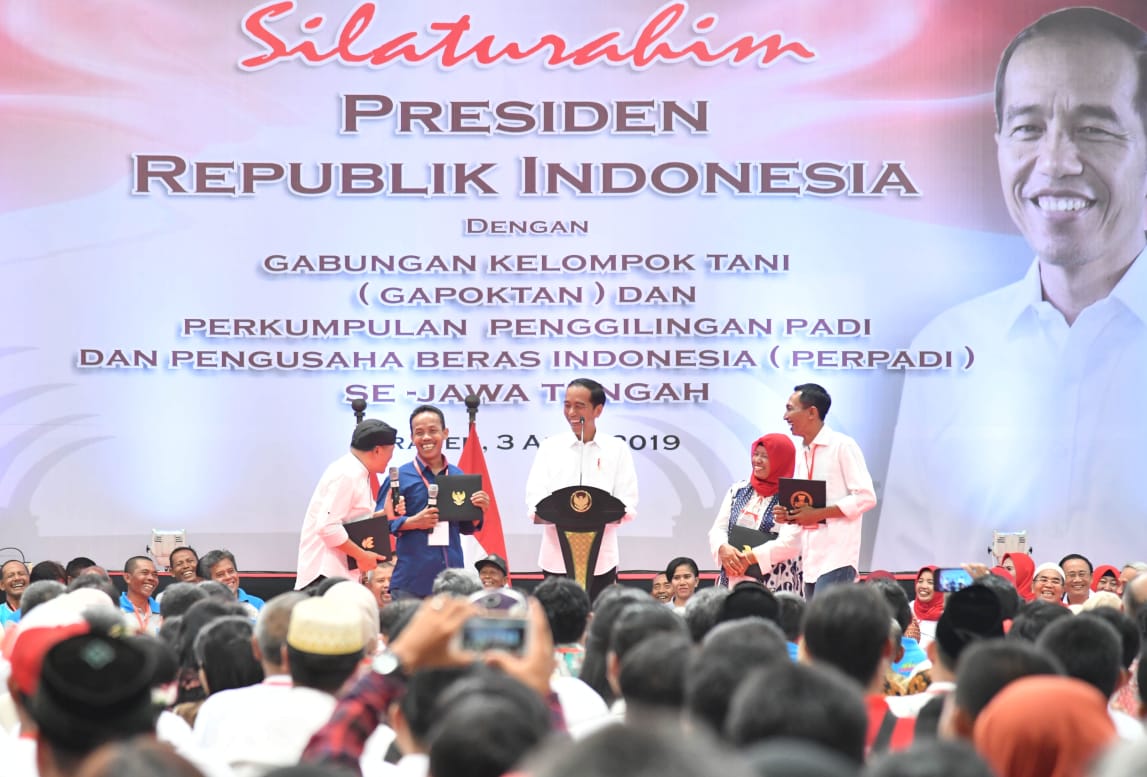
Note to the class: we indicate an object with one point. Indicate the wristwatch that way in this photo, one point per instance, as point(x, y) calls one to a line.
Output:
point(386, 663)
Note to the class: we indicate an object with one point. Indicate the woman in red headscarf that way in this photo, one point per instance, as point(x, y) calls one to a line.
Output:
point(1106, 578)
point(1023, 568)
point(750, 503)
point(928, 605)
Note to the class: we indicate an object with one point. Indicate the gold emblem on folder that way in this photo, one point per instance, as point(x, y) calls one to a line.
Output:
point(368, 543)
point(580, 501)
point(458, 497)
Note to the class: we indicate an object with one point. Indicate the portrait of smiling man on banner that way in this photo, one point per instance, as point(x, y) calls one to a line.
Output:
point(1044, 430)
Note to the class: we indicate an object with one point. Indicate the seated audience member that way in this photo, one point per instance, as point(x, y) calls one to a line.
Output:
point(1125, 703)
point(721, 663)
point(232, 723)
point(492, 571)
point(178, 597)
point(141, 579)
point(637, 622)
point(219, 565)
point(428, 642)
point(393, 617)
point(792, 607)
point(487, 724)
point(934, 758)
point(1091, 650)
point(651, 678)
point(1023, 570)
point(911, 653)
point(624, 751)
point(1129, 572)
point(100, 582)
point(413, 716)
point(1106, 578)
point(1103, 600)
point(82, 565)
point(191, 623)
point(184, 565)
point(1077, 572)
point(703, 609)
point(92, 689)
point(928, 604)
point(378, 581)
point(1005, 591)
point(749, 599)
point(139, 756)
point(366, 606)
point(567, 610)
point(662, 591)
point(48, 570)
point(683, 577)
point(796, 701)
point(606, 608)
point(324, 645)
point(456, 582)
point(1048, 583)
point(1135, 597)
point(846, 627)
point(13, 581)
point(39, 592)
point(985, 668)
point(1034, 617)
point(223, 652)
point(970, 615)
point(1043, 727)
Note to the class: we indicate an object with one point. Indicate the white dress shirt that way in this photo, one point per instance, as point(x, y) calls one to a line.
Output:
point(836, 459)
point(343, 494)
point(1044, 432)
point(603, 462)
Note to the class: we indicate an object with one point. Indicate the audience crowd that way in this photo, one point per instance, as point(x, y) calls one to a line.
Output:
point(1031, 670)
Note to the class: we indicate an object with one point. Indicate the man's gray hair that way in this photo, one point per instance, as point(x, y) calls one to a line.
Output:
point(457, 582)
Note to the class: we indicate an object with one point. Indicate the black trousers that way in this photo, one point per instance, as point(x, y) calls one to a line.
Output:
point(597, 583)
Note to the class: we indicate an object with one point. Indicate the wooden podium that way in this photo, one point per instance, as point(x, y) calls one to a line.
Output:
point(580, 514)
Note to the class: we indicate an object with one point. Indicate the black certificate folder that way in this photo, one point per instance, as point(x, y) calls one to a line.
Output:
point(797, 492)
point(454, 492)
point(371, 534)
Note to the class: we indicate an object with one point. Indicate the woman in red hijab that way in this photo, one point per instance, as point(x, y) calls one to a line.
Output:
point(1044, 726)
point(1023, 568)
point(928, 605)
point(1106, 578)
point(750, 503)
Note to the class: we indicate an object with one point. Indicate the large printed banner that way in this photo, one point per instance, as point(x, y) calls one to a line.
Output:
point(222, 221)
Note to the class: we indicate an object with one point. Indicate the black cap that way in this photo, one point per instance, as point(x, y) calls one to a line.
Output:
point(94, 689)
point(969, 615)
point(494, 559)
point(371, 433)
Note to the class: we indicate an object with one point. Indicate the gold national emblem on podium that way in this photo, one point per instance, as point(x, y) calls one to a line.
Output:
point(580, 501)
point(458, 497)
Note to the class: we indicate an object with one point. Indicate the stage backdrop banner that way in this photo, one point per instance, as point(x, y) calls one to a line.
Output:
point(221, 222)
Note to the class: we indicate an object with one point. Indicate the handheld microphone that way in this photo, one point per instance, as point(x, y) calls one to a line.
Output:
point(432, 495)
point(581, 461)
point(394, 487)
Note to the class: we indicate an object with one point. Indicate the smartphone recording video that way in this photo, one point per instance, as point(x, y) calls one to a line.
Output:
point(502, 624)
point(952, 579)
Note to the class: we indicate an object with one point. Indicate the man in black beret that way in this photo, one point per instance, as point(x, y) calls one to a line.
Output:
point(344, 494)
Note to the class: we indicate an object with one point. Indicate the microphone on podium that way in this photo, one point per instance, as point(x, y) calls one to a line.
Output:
point(394, 487)
point(581, 454)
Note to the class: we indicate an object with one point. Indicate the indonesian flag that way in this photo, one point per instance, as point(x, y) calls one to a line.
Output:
point(489, 539)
